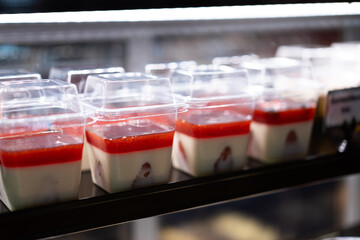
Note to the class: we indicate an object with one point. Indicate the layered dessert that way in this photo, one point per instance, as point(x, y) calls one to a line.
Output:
point(130, 140)
point(128, 155)
point(41, 142)
point(39, 168)
point(212, 129)
point(281, 130)
point(210, 141)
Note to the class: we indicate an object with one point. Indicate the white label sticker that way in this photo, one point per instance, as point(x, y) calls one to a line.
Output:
point(342, 106)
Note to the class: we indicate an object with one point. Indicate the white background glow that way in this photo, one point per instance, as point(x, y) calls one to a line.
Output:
point(188, 14)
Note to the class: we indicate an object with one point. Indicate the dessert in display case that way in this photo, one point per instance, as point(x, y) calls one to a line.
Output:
point(212, 132)
point(318, 58)
point(282, 124)
point(41, 143)
point(284, 110)
point(336, 68)
point(201, 146)
point(130, 139)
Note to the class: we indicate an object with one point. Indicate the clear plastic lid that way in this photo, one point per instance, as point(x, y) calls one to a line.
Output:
point(234, 61)
point(284, 84)
point(78, 74)
point(166, 69)
point(209, 81)
point(317, 53)
point(303, 91)
point(345, 65)
point(14, 74)
point(275, 66)
point(347, 52)
point(266, 70)
point(39, 105)
point(287, 94)
point(128, 95)
point(214, 94)
point(207, 85)
point(317, 57)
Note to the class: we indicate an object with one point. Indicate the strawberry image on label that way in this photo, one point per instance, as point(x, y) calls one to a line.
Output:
point(291, 146)
point(224, 162)
point(99, 172)
point(182, 152)
point(144, 177)
point(291, 137)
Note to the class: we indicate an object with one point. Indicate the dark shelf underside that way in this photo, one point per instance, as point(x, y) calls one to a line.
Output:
point(90, 5)
point(97, 208)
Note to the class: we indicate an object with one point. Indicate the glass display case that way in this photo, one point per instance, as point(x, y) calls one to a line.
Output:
point(315, 197)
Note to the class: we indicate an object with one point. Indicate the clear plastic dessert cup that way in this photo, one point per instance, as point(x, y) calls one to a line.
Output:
point(17, 74)
point(319, 58)
point(166, 69)
point(346, 64)
point(213, 129)
point(346, 53)
point(270, 68)
point(284, 113)
point(237, 62)
point(41, 142)
point(130, 139)
point(78, 74)
point(334, 67)
point(303, 52)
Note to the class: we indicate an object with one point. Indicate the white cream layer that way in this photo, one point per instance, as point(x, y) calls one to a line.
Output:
point(202, 154)
point(124, 171)
point(39, 185)
point(268, 142)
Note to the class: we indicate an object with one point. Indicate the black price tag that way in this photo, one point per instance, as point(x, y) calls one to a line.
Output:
point(342, 106)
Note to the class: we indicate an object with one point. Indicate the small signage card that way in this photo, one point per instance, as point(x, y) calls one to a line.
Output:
point(342, 106)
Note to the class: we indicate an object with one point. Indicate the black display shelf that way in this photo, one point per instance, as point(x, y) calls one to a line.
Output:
point(95, 208)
